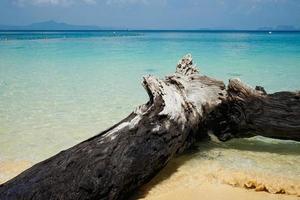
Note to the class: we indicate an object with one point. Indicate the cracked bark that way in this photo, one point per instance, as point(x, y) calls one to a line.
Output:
point(247, 112)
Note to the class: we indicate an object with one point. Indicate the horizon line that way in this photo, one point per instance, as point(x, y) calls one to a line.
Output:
point(167, 30)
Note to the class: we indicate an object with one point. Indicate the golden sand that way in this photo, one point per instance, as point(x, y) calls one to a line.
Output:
point(208, 182)
point(215, 192)
point(10, 169)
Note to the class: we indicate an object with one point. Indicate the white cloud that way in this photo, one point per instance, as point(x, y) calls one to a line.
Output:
point(140, 2)
point(88, 2)
point(53, 2)
point(127, 2)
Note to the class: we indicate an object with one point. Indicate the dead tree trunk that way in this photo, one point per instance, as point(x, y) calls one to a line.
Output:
point(181, 107)
point(118, 160)
point(247, 112)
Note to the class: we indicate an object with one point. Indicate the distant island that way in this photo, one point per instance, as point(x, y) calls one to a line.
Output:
point(52, 25)
point(279, 28)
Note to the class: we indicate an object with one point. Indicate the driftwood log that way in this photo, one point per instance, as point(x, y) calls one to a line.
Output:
point(248, 112)
point(181, 108)
point(118, 160)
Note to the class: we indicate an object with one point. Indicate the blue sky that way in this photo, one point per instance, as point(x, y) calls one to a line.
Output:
point(176, 14)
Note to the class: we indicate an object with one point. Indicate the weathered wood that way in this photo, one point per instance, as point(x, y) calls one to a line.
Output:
point(247, 112)
point(118, 160)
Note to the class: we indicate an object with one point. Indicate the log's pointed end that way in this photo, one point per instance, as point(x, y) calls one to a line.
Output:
point(185, 66)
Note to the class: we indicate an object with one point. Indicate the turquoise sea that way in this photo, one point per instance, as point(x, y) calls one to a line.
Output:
point(59, 88)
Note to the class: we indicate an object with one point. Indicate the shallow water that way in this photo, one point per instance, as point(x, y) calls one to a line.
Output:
point(57, 89)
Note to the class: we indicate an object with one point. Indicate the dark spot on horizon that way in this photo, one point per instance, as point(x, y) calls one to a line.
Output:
point(19, 48)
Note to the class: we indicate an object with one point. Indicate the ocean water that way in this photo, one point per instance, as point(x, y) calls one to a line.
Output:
point(59, 88)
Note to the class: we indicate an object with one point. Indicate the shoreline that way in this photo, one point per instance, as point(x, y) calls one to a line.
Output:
point(209, 191)
point(208, 172)
point(173, 183)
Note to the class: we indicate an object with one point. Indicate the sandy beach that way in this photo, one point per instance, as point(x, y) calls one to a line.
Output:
point(173, 188)
point(9, 169)
point(214, 192)
point(208, 182)
point(186, 177)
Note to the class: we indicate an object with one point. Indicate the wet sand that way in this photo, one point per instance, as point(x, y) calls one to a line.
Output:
point(233, 170)
point(180, 182)
point(9, 169)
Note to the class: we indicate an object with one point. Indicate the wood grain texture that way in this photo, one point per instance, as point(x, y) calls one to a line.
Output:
point(246, 112)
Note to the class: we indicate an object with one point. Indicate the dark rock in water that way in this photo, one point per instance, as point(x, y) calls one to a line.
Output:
point(19, 48)
point(234, 74)
point(150, 70)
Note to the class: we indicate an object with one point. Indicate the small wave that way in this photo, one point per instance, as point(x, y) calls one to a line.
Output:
point(258, 182)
